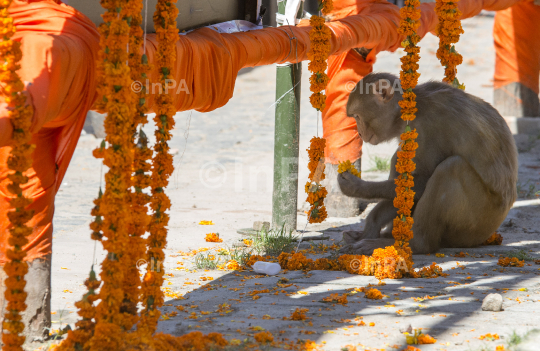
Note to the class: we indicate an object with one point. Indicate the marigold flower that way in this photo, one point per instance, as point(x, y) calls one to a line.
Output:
point(348, 166)
point(264, 337)
point(213, 238)
point(373, 294)
point(426, 339)
point(510, 261)
point(494, 239)
point(299, 314)
point(489, 337)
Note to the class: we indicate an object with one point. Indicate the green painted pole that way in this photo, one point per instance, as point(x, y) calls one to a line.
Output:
point(286, 140)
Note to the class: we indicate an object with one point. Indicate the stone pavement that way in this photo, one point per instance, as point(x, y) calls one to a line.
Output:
point(224, 163)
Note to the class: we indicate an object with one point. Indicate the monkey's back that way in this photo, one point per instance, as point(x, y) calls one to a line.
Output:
point(454, 122)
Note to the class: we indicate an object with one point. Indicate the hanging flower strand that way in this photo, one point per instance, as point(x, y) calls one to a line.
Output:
point(111, 317)
point(318, 53)
point(316, 192)
point(402, 230)
point(84, 328)
point(319, 50)
point(137, 176)
point(449, 30)
point(167, 36)
point(20, 160)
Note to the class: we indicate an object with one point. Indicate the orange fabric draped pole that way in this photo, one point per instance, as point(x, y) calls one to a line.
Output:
point(342, 139)
point(60, 48)
point(210, 62)
point(516, 33)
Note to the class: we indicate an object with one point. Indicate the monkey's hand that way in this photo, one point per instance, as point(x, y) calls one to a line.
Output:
point(366, 246)
point(350, 184)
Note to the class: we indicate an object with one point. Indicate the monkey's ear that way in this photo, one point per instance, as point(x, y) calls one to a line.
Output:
point(384, 91)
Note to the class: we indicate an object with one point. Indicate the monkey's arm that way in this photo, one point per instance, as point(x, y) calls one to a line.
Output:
point(355, 187)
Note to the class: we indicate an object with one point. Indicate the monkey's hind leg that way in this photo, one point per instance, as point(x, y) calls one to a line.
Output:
point(363, 243)
point(456, 209)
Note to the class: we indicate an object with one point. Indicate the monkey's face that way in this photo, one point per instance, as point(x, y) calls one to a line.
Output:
point(367, 128)
point(374, 106)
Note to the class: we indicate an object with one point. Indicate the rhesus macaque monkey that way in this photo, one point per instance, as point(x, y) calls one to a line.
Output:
point(466, 166)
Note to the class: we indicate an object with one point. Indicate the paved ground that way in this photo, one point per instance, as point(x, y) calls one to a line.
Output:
point(224, 174)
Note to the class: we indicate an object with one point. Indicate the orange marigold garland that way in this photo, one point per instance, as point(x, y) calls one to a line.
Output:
point(137, 177)
point(449, 29)
point(20, 160)
point(153, 298)
point(316, 192)
point(318, 53)
point(112, 319)
point(402, 230)
point(77, 339)
point(84, 329)
point(319, 36)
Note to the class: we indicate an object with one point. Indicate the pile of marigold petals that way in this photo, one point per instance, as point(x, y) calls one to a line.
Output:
point(494, 239)
point(510, 261)
point(385, 263)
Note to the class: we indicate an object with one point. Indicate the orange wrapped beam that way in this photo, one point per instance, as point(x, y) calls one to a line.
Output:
point(59, 49)
point(219, 57)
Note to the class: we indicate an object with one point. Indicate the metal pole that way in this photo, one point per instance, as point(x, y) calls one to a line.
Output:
point(286, 140)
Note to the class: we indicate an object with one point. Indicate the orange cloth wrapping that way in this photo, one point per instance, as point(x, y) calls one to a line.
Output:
point(208, 63)
point(516, 33)
point(342, 139)
point(59, 51)
point(60, 47)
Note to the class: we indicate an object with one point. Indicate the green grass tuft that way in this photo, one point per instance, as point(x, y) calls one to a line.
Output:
point(274, 242)
point(520, 255)
point(206, 261)
point(382, 164)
